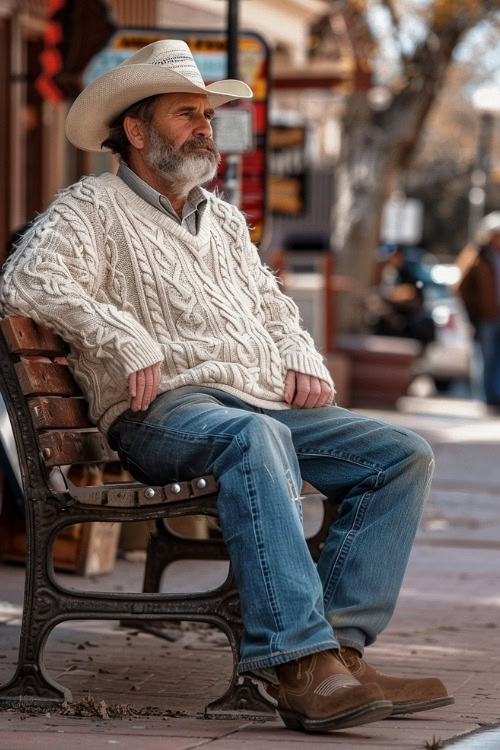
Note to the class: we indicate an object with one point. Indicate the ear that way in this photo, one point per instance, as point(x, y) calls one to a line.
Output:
point(135, 132)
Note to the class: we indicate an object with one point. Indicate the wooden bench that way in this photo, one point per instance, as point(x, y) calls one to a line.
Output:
point(49, 419)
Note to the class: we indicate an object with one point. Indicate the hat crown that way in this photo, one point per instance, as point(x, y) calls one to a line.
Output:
point(163, 67)
point(173, 55)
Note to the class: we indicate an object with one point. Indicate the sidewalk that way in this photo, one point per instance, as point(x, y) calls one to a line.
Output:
point(447, 624)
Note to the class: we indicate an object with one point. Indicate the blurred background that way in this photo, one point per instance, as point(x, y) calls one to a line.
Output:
point(366, 162)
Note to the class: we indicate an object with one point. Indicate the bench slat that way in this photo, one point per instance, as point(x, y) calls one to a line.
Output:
point(70, 447)
point(58, 412)
point(45, 379)
point(23, 336)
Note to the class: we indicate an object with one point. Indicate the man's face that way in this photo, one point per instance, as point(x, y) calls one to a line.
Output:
point(180, 146)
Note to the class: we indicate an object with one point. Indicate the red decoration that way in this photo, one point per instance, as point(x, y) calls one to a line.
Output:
point(51, 59)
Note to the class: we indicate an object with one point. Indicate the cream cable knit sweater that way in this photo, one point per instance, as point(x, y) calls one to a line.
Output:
point(126, 287)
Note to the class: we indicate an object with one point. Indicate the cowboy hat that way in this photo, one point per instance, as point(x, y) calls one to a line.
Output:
point(162, 67)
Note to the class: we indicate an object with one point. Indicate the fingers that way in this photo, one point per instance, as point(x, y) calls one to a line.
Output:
point(326, 393)
point(289, 386)
point(143, 387)
point(148, 388)
point(156, 379)
point(302, 390)
point(306, 391)
point(132, 384)
point(136, 404)
point(314, 393)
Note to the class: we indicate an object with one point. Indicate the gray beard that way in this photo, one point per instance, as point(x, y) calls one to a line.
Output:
point(181, 168)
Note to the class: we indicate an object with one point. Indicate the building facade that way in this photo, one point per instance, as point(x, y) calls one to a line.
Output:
point(36, 160)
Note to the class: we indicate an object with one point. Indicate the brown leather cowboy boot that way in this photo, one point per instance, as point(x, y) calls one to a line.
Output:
point(318, 693)
point(406, 693)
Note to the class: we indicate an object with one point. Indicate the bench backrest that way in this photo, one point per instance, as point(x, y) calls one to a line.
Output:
point(58, 411)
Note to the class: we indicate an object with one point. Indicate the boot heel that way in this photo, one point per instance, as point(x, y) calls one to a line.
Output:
point(290, 720)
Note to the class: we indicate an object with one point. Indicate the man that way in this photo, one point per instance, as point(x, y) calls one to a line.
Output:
point(193, 362)
point(479, 288)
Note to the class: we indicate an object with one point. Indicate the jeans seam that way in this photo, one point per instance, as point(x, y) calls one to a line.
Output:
point(258, 538)
point(346, 545)
point(379, 481)
point(133, 464)
point(340, 456)
point(190, 436)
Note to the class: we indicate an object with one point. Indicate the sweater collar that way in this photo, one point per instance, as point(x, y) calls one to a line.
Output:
point(114, 183)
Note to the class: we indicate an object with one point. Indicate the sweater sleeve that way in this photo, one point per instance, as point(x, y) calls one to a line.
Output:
point(51, 278)
point(282, 322)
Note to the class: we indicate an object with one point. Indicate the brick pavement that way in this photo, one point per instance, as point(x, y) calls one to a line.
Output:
point(447, 623)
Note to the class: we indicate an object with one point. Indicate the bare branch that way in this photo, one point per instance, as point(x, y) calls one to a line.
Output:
point(393, 14)
point(396, 28)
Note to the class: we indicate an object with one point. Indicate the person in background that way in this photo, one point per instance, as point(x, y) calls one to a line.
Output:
point(396, 305)
point(479, 289)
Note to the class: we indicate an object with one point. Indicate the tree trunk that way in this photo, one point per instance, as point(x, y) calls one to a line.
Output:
point(376, 147)
point(365, 175)
point(363, 180)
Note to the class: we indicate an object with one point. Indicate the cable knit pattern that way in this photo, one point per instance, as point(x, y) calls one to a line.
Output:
point(126, 286)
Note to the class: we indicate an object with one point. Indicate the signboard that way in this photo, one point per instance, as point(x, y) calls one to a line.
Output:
point(233, 130)
point(209, 52)
point(402, 221)
point(287, 168)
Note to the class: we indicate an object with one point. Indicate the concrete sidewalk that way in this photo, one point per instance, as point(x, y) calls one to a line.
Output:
point(447, 624)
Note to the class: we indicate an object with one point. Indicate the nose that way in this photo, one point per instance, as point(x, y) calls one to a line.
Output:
point(203, 127)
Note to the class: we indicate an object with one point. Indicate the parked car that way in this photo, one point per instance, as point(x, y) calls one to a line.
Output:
point(448, 358)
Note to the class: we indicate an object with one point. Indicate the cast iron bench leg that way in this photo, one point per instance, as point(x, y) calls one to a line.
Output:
point(31, 685)
point(244, 697)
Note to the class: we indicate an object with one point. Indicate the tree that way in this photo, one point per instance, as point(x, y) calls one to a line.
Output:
point(412, 48)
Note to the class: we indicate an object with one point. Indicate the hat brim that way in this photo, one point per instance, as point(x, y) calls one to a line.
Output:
point(88, 120)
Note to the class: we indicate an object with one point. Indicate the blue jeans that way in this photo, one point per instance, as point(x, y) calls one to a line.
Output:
point(379, 474)
point(489, 339)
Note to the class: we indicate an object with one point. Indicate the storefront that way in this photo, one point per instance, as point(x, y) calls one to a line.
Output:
point(36, 159)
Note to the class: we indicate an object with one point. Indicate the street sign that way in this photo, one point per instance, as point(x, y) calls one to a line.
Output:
point(402, 221)
point(233, 130)
point(209, 52)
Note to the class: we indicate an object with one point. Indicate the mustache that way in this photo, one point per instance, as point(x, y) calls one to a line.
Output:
point(199, 142)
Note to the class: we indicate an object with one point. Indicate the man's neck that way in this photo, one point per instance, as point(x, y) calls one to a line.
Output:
point(155, 181)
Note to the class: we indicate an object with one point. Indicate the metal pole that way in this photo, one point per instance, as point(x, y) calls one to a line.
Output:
point(232, 38)
point(231, 184)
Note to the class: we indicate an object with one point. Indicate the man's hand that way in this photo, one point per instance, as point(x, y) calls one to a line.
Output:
point(143, 387)
point(305, 391)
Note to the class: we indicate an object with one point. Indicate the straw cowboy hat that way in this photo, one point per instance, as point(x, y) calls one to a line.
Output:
point(163, 67)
